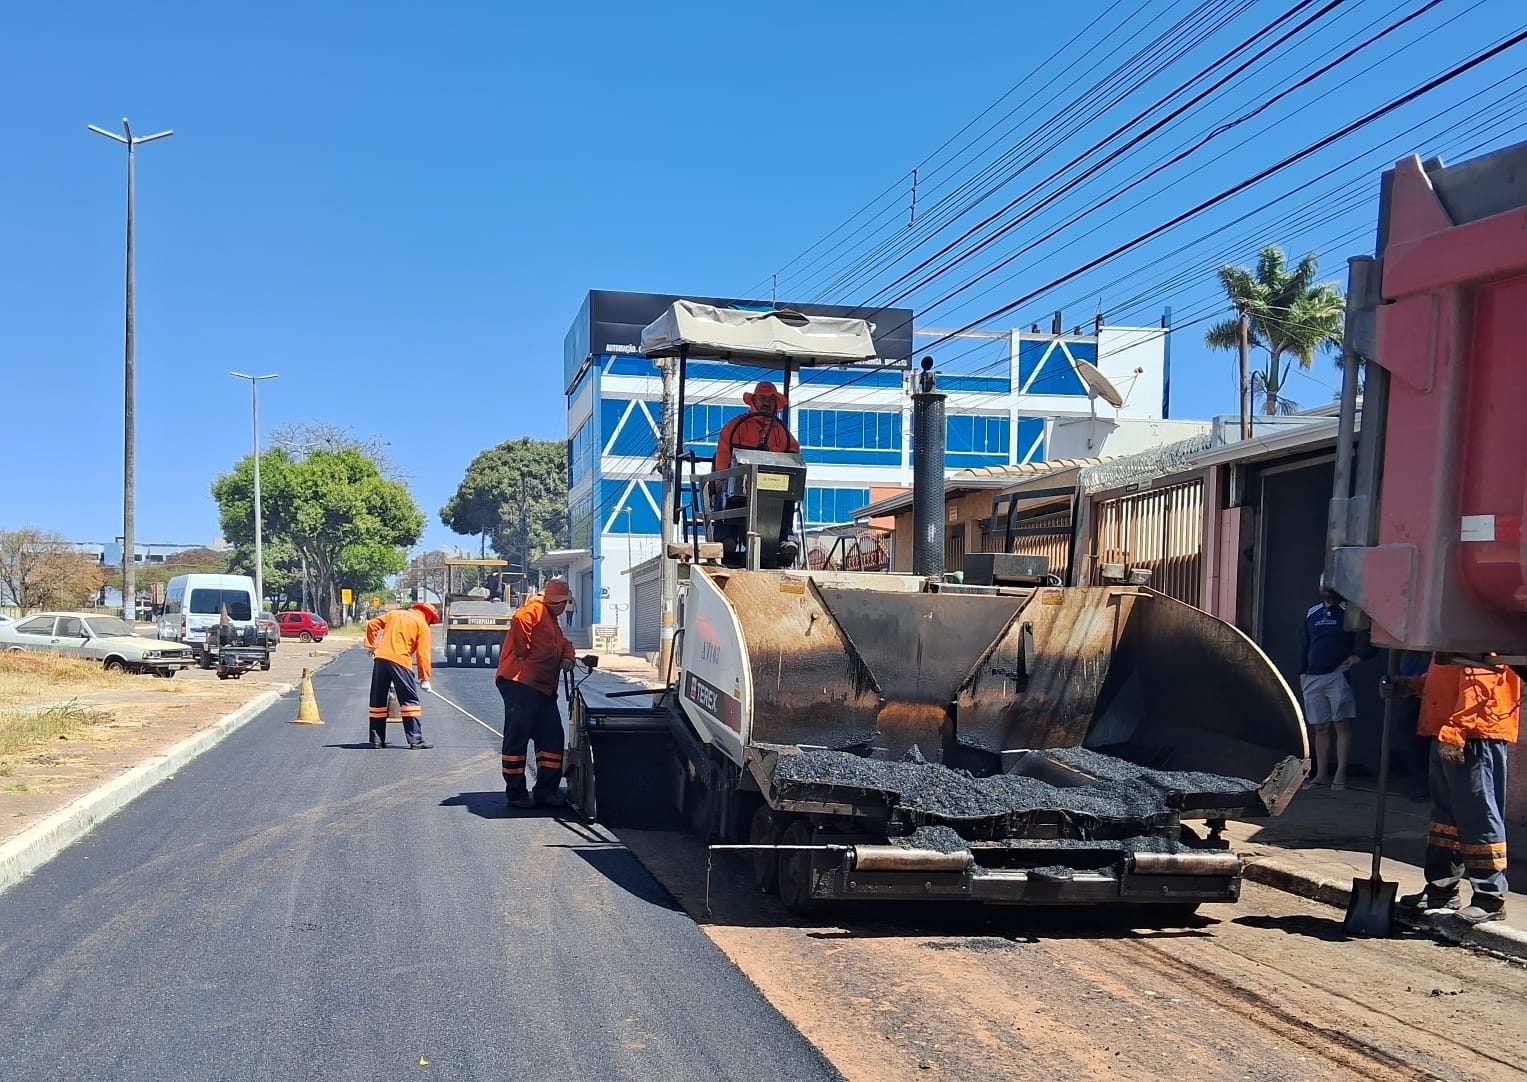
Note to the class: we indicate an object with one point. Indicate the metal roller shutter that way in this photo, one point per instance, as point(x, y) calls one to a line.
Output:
point(646, 611)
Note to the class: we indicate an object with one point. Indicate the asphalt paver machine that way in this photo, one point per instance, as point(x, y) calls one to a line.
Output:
point(889, 736)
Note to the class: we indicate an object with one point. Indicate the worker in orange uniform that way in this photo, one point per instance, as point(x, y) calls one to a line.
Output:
point(397, 638)
point(1473, 715)
point(760, 429)
point(534, 655)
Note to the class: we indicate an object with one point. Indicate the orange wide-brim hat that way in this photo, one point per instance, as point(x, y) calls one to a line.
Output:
point(425, 609)
point(765, 388)
point(557, 590)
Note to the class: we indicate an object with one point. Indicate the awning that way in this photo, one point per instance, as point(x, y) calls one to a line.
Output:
point(779, 338)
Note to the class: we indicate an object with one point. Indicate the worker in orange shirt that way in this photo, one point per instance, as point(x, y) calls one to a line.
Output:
point(760, 429)
point(397, 639)
point(534, 655)
point(1473, 714)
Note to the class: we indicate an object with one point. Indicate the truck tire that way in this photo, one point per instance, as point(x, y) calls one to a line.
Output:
point(795, 872)
point(764, 830)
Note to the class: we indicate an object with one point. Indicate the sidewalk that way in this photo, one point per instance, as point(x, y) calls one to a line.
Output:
point(1325, 840)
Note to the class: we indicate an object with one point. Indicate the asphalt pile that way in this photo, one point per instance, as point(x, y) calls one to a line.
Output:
point(945, 839)
point(1124, 793)
point(1112, 768)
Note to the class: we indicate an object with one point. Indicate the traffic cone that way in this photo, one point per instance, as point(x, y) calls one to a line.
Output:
point(394, 712)
point(307, 705)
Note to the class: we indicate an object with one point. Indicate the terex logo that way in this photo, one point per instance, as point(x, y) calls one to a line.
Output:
point(704, 696)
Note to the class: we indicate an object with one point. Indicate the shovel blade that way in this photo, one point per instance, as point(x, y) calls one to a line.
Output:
point(1370, 910)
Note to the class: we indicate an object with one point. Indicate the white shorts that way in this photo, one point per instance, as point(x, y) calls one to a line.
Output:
point(1328, 698)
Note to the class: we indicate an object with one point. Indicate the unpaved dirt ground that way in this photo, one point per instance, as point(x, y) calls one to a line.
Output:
point(1268, 989)
point(144, 717)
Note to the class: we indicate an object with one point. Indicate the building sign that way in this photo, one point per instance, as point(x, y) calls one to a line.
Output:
point(346, 596)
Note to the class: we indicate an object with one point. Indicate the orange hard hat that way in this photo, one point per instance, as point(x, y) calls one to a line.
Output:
point(425, 609)
point(766, 389)
point(557, 590)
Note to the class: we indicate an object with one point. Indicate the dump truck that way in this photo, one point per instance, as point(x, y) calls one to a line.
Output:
point(885, 736)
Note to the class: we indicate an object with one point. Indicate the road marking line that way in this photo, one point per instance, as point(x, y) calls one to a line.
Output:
point(467, 712)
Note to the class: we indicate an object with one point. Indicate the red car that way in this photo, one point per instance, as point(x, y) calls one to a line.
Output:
point(306, 626)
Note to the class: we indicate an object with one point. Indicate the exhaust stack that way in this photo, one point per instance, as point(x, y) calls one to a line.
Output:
point(927, 475)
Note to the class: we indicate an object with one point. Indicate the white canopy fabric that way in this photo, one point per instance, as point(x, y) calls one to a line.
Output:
point(778, 337)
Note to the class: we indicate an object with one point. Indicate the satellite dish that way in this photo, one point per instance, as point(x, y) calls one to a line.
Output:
point(1099, 385)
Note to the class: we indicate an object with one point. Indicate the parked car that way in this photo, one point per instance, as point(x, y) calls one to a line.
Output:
point(194, 603)
point(270, 629)
point(107, 639)
point(304, 626)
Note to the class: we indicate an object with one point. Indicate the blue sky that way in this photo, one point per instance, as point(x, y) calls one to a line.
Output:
point(399, 211)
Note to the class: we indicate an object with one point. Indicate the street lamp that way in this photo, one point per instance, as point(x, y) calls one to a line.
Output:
point(129, 439)
point(254, 412)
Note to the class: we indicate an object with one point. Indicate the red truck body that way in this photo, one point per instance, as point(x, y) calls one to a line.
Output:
point(1438, 561)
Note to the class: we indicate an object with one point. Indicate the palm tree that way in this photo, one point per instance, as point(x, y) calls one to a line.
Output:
point(1283, 312)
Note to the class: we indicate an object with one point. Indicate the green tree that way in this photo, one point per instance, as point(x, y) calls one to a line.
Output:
point(514, 496)
point(332, 507)
point(1286, 314)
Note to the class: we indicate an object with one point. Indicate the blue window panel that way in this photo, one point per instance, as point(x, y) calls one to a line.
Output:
point(736, 373)
point(875, 430)
point(583, 451)
point(1050, 360)
point(1031, 440)
point(857, 377)
point(833, 506)
point(969, 461)
point(977, 434)
point(614, 499)
point(703, 424)
point(622, 364)
point(629, 433)
point(995, 384)
point(833, 457)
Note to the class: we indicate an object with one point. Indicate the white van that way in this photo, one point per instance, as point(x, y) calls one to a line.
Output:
point(193, 603)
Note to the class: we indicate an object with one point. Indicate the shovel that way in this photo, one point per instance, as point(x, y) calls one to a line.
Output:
point(1370, 911)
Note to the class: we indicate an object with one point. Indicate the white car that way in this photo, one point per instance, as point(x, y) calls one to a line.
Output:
point(107, 639)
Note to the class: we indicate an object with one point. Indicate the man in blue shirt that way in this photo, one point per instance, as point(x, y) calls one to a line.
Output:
point(1329, 651)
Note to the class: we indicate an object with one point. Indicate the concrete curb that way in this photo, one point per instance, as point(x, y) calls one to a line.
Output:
point(1287, 875)
point(43, 841)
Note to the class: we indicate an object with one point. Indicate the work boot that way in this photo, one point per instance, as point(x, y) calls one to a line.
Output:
point(420, 746)
point(1478, 914)
point(1422, 902)
point(552, 800)
point(378, 744)
point(522, 802)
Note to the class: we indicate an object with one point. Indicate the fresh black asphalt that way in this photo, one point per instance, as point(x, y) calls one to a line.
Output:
point(295, 905)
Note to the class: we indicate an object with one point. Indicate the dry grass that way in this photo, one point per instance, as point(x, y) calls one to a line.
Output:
point(31, 685)
point(36, 677)
point(21, 729)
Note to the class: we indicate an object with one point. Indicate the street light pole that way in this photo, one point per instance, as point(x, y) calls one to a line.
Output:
point(254, 413)
point(129, 398)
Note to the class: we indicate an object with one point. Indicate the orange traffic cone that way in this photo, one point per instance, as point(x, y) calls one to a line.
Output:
point(307, 705)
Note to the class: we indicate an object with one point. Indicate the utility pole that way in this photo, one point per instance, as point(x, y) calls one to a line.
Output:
point(254, 413)
point(129, 405)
